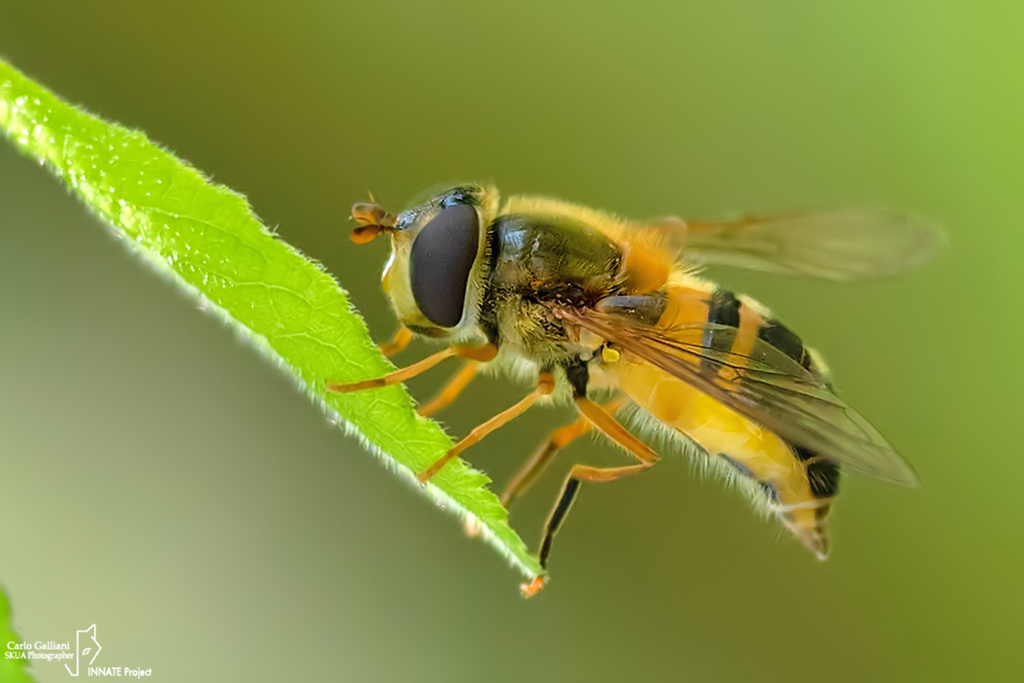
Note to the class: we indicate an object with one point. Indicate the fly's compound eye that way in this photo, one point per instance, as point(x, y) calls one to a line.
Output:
point(442, 256)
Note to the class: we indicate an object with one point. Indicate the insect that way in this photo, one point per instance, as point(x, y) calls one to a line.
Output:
point(592, 303)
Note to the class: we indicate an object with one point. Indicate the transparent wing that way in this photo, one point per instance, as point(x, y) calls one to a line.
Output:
point(766, 386)
point(844, 244)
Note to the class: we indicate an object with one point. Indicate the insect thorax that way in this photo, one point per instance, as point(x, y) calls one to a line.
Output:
point(538, 262)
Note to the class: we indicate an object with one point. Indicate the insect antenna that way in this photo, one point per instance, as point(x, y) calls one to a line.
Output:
point(372, 220)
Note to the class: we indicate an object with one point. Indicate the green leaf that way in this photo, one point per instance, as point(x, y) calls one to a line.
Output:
point(206, 238)
point(11, 670)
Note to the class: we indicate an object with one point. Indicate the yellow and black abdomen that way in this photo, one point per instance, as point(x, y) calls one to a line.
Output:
point(798, 485)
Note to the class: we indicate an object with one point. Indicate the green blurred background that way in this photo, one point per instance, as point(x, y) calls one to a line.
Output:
point(162, 481)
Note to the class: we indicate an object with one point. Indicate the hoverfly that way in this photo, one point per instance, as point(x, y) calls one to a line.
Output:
point(590, 301)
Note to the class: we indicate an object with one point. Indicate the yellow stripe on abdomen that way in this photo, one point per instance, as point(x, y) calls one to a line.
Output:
point(752, 450)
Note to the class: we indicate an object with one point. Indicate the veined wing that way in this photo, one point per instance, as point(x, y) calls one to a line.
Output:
point(766, 386)
point(843, 244)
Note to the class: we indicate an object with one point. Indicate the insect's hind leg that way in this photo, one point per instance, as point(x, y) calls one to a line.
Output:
point(566, 497)
point(604, 421)
point(545, 453)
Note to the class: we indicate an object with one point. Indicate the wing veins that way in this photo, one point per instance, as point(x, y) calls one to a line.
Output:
point(790, 403)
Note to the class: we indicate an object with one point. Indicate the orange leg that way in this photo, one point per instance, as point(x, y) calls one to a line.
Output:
point(545, 385)
point(542, 457)
point(482, 353)
point(393, 377)
point(459, 381)
point(607, 425)
point(604, 421)
point(398, 343)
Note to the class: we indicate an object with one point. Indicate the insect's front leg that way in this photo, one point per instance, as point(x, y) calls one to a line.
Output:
point(482, 354)
point(458, 382)
point(398, 343)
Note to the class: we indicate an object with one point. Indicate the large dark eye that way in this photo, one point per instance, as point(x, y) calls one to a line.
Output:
point(442, 256)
